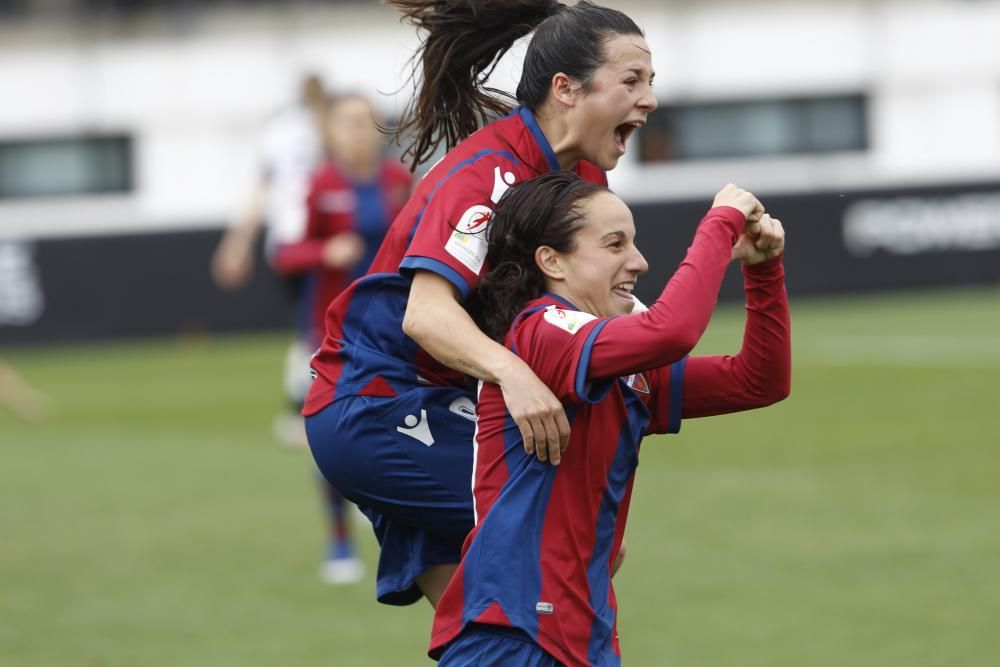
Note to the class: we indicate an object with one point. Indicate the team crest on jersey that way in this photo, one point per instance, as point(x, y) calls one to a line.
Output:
point(468, 242)
point(567, 320)
point(637, 382)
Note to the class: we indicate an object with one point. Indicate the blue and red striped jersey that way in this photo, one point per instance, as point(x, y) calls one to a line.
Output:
point(442, 229)
point(540, 556)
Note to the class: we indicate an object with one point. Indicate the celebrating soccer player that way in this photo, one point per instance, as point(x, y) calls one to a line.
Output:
point(534, 586)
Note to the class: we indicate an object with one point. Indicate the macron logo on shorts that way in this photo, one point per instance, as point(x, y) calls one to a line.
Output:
point(464, 407)
point(419, 430)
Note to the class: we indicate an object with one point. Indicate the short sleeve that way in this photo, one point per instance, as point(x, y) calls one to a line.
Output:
point(450, 234)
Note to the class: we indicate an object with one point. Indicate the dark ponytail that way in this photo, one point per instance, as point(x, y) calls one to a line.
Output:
point(464, 40)
point(541, 212)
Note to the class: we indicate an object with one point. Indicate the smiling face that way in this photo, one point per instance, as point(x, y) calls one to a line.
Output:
point(599, 274)
point(615, 102)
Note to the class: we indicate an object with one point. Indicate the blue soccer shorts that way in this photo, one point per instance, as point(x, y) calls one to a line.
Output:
point(482, 645)
point(406, 461)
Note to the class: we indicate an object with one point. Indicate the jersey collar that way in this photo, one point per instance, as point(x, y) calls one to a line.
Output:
point(528, 118)
point(561, 300)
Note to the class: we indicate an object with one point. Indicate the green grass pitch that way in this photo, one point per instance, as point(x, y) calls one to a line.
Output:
point(152, 520)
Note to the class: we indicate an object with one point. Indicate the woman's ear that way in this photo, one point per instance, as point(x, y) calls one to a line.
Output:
point(547, 260)
point(564, 89)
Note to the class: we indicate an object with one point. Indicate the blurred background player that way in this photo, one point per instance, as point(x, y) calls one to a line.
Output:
point(353, 198)
point(291, 150)
point(322, 217)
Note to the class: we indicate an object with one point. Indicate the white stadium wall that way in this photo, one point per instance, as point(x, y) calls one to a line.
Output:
point(192, 92)
point(193, 97)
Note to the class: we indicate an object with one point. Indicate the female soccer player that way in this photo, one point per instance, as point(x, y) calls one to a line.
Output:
point(534, 586)
point(390, 415)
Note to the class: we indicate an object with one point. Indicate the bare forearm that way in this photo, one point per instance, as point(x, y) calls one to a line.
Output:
point(437, 322)
point(446, 331)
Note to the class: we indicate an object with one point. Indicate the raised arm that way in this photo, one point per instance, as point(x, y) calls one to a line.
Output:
point(672, 326)
point(436, 320)
point(760, 374)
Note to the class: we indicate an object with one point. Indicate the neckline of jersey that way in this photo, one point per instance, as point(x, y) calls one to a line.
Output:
point(528, 117)
point(562, 300)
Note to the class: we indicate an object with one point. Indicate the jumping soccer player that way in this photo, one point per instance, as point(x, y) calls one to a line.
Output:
point(390, 415)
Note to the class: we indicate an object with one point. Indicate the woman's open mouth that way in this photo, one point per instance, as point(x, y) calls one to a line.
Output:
point(623, 132)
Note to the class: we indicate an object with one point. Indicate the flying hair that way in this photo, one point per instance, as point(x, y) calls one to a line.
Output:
point(462, 43)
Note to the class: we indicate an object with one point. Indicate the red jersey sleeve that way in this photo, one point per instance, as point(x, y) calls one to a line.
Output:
point(450, 237)
point(672, 326)
point(758, 375)
point(761, 372)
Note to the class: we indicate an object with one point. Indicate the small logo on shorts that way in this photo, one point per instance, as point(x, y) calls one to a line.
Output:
point(418, 430)
point(544, 607)
point(464, 407)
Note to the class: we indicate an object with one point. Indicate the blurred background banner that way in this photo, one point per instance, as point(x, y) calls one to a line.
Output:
point(856, 242)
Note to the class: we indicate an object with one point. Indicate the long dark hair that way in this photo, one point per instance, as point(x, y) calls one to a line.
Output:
point(543, 211)
point(464, 40)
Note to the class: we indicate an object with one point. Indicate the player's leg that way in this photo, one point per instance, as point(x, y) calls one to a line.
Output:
point(342, 565)
point(296, 379)
point(407, 462)
point(289, 428)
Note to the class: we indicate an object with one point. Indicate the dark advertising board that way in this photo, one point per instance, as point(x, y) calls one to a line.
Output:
point(861, 241)
point(109, 287)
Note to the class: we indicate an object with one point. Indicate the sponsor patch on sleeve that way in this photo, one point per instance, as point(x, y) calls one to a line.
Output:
point(467, 242)
point(567, 320)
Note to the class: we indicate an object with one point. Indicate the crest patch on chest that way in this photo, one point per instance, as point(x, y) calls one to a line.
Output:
point(637, 382)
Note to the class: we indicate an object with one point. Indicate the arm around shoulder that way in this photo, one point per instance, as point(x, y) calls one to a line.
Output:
point(436, 320)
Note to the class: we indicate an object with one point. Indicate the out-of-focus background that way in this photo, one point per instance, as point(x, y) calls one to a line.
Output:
point(147, 515)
